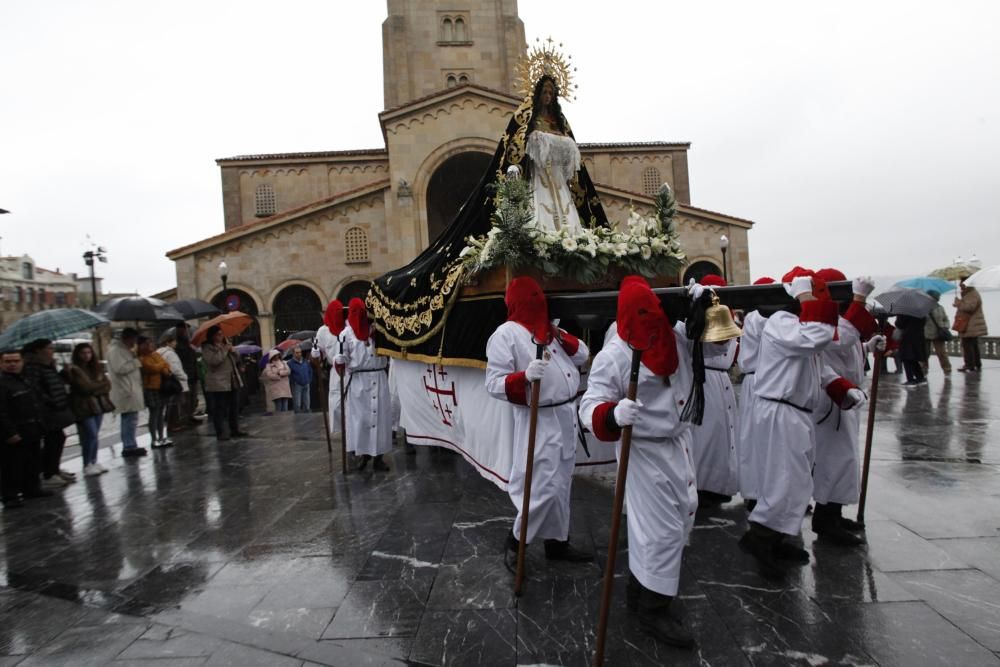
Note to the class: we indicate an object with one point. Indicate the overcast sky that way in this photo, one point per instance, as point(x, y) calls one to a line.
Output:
point(860, 135)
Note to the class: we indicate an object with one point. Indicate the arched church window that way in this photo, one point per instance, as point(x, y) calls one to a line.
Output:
point(447, 30)
point(651, 180)
point(452, 81)
point(463, 79)
point(356, 246)
point(264, 201)
point(460, 30)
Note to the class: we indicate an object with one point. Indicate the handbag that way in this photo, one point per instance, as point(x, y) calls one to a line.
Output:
point(944, 334)
point(170, 386)
point(961, 323)
point(105, 404)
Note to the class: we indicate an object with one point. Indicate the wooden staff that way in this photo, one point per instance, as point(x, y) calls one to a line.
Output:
point(343, 414)
point(873, 398)
point(616, 515)
point(528, 469)
point(324, 386)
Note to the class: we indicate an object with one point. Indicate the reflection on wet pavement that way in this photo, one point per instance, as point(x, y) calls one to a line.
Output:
point(258, 551)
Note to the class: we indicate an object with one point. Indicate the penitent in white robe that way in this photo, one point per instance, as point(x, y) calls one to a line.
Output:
point(508, 352)
point(789, 385)
point(369, 407)
point(555, 161)
point(659, 488)
point(715, 439)
point(747, 450)
point(330, 346)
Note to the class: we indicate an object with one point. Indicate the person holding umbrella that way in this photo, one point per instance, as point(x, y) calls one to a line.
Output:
point(512, 366)
point(40, 372)
point(936, 333)
point(970, 323)
point(126, 388)
point(222, 383)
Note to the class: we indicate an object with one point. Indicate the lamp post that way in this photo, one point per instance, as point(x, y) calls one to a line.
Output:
point(224, 275)
point(101, 255)
point(724, 246)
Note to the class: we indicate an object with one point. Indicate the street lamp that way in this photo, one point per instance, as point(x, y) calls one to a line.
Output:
point(724, 246)
point(224, 275)
point(101, 255)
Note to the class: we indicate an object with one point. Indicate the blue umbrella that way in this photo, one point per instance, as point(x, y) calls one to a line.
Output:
point(927, 284)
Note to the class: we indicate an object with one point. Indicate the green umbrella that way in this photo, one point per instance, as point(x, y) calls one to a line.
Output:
point(51, 324)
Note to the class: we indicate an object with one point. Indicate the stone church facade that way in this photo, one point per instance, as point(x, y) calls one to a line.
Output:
point(304, 228)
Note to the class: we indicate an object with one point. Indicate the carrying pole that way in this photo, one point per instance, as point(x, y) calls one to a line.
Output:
point(528, 469)
point(872, 402)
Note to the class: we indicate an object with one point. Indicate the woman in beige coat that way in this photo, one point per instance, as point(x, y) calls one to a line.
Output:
point(970, 306)
point(274, 377)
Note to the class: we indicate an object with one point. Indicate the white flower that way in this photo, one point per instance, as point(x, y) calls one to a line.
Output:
point(646, 252)
point(606, 248)
point(642, 240)
point(569, 244)
point(513, 171)
point(658, 244)
point(465, 251)
point(590, 249)
point(633, 249)
point(621, 249)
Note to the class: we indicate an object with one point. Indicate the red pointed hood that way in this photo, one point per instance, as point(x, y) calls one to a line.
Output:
point(358, 318)
point(642, 324)
point(713, 280)
point(333, 318)
point(764, 280)
point(526, 305)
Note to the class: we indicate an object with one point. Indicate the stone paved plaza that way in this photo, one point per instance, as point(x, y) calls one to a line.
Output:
point(259, 552)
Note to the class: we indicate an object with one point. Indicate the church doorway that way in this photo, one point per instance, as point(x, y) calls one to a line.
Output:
point(296, 308)
point(354, 289)
point(237, 299)
point(449, 187)
point(699, 270)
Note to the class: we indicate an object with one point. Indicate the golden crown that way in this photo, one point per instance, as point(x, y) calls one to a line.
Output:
point(544, 58)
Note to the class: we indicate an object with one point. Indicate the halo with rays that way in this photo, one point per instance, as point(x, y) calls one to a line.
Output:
point(545, 58)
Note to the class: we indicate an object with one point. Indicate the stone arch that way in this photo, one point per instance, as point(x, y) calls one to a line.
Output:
point(238, 298)
point(699, 269)
point(353, 287)
point(430, 166)
point(296, 307)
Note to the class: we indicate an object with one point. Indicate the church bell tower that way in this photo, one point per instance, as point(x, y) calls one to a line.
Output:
point(432, 45)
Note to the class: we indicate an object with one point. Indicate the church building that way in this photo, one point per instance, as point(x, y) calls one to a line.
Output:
point(338, 219)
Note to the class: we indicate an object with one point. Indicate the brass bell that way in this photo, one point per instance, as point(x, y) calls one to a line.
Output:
point(719, 325)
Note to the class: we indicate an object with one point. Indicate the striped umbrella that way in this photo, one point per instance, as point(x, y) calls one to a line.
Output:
point(51, 324)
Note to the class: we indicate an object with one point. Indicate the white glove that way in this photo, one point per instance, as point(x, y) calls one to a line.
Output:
point(536, 369)
point(799, 286)
point(863, 285)
point(855, 399)
point(695, 290)
point(340, 360)
point(875, 344)
point(627, 412)
point(314, 353)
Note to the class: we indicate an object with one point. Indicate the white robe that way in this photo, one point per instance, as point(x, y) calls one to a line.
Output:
point(714, 446)
point(749, 464)
point(369, 407)
point(659, 489)
point(330, 346)
point(837, 474)
point(790, 369)
point(555, 161)
point(510, 350)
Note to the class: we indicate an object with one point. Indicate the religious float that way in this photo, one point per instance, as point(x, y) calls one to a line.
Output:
point(534, 212)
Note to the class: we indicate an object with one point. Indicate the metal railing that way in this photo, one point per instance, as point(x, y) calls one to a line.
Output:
point(989, 347)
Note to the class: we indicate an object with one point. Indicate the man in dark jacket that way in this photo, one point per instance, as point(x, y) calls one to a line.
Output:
point(20, 433)
point(189, 361)
point(40, 372)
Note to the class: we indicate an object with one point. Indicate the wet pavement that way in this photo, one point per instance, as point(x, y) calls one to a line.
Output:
point(258, 551)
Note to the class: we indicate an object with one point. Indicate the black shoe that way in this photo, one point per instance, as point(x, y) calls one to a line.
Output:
point(632, 591)
point(411, 450)
point(759, 542)
point(826, 523)
point(510, 548)
point(133, 452)
point(562, 550)
point(659, 618)
point(851, 525)
point(364, 462)
point(161, 445)
point(750, 503)
point(711, 498)
point(790, 552)
point(240, 434)
point(380, 464)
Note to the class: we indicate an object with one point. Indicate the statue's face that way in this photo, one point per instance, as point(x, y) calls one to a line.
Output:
point(548, 94)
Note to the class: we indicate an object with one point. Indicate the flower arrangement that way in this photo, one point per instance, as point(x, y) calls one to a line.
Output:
point(646, 245)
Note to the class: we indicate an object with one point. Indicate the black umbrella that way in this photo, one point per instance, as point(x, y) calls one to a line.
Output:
point(302, 335)
point(193, 309)
point(139, 309)
point(907, 301)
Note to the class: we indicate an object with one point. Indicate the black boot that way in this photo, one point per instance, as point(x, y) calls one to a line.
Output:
point(561, 550)
point(789, 551)
point(712, 499)
point(632, 591)
point(659, 617)
point(826, 524)
point(845, 523)
point(759, 542)
point(364, 462)
point(510, 548)
point(379, 464)
point(750, 503)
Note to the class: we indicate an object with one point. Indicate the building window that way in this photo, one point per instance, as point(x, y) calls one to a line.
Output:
point(41, 297)
point(651, 181)
point(452, 81)
point(454, 28)
point(264, 201)
point(460, 30)
point(27, 271)
point(60, 299)
point(356, 246)
point(463, 79)
point(31, 296)
point(18, 295)
point(447, 30)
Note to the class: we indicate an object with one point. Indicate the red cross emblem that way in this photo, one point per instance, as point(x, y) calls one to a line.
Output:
point(436, 393)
